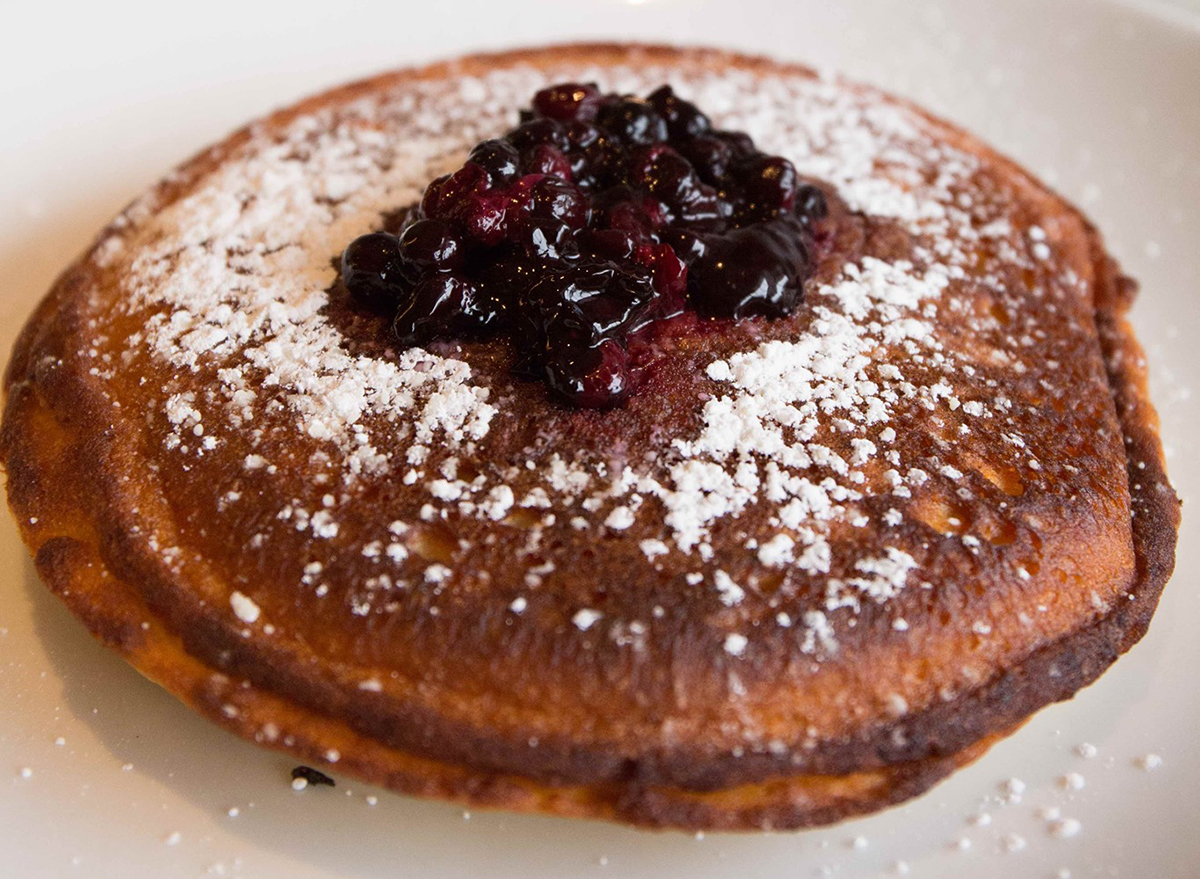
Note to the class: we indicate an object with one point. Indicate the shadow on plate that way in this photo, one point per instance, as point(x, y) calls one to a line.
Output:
point(137, 722)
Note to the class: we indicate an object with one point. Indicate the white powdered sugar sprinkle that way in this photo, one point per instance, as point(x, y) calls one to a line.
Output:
point(244, 608)
point(796, 436)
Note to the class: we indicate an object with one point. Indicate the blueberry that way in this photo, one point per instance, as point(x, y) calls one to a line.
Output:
point(432, 197)
point(547, 240)
point(511, 273)
point(445, 304)
point(682, 117)
point(710, 156)
point(568, 101)
point(627, 209)
point(553, 199)
point(484, 217)
point(687, 244)
point(611, 244)
point(810, 203)
point(581, 135)
point(754, 271)
point(592, 377)
point(669, 274)
point(372, 269)
point(633, 122)
point(597, 298)
point(769, 185)
point(670, 178)
point(450, 194)
point(431, 245)
point(530, 134)
point(499, 159)
point(546, 159)
point(739, 143)
point(633, 217)
point(597, 158)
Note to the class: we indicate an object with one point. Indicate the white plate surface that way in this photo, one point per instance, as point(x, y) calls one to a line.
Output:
point(103, 774)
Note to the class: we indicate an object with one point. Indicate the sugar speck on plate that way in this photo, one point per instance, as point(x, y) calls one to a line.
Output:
point(1149, 762)
point(60, 741)
point(299, 783)
point(26, 772)
point(128, 767)
point(602, 861)
point(980, 819)
point(372, 800)
point(858, 843)
point(1072, 781)
point(900, 868)
point(1049, 813)
point(961, 844)
point(1063, 873)
point(466, 816)
point(1086, 750)
point(233, 812)
point(1012, 790)
point(172, 838)
point(1013, 842)
point(1065, 828)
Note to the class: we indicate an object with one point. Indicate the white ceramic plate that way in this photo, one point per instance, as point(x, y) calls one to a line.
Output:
point(106, 775)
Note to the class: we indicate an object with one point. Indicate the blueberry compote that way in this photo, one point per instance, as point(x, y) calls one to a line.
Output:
point(596, 217)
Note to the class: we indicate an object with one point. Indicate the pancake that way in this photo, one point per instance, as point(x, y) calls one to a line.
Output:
point(814, 565)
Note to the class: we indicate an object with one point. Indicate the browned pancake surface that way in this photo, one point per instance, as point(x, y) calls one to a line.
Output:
point(813, 566)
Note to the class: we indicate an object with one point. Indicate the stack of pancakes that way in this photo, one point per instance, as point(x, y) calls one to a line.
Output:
point(810, 568)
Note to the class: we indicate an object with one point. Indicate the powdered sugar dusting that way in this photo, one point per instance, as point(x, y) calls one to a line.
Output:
point(238, 270)
point(797, 435)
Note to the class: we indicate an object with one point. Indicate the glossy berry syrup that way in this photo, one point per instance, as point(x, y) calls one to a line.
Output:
point(596, 217)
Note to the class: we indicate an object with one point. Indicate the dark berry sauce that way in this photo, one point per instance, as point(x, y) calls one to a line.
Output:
point(595, 218)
